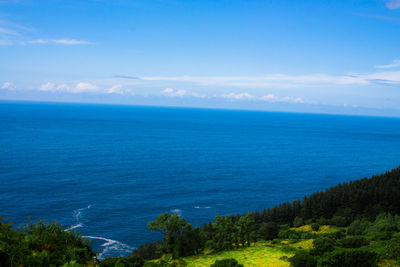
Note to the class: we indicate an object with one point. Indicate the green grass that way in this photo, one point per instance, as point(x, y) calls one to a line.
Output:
point(323, 229)
point(259, 254)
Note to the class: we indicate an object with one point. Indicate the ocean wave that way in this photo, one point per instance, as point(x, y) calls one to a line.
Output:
point(177, 211)
point(205, 207)
point(110, 247)
point(78, 217)
point(78, 213)
point(73, 227)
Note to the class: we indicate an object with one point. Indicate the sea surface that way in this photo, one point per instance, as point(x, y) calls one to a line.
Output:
point(106, 171)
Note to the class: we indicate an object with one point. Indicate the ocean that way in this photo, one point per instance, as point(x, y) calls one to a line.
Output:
point(107, 170)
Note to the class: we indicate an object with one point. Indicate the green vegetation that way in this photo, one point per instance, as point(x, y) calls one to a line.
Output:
point(352, 224)
point(40, 244)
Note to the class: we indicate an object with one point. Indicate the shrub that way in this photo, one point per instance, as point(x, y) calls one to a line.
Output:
point(315, 226)
point(268, 231)
point(354, 242)
point(339, 221)
point(303, 259)
point(41, 244)
point(392, 248)
point(297, 222)
point(226, 263)
point(322, 221)
point(149, 251)
point(358, 227)
point(323, 244)
point(349, 258)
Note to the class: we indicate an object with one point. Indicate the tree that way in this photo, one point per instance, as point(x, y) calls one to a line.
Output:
point(173, 227)
point(297, 222)
point(268, 231)
point(245, 225)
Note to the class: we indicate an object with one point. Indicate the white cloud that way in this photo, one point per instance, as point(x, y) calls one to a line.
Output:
point(38, 41)
point(8, 86)
point(395, 64)
point(116, 89)
point(6, 31)
point(47, 87)
point(393, 4)
point(71, 42)
point(290, 99)
point(173, 93)
point(62, 87)
point(286, 81)
point(60, 41)
point(239, 96)
point(269, 97)
point(265, 81)
point(82, 87)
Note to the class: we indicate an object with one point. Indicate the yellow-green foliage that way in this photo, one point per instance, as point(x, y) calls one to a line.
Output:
point(389, 263)
point(304, 228)
point(260, 254)
point(323, 229)
point(306, 244)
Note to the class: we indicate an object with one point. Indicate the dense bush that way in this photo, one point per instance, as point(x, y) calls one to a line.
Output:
point(323, 245)
point(268, 231)
point(297, 222)
point(131, 261)
point(149, 251)
point(303, 259)
point(315, 226)
point(348, 258)
point(392, 248)
point(226, 263)
point(41, 244)
point(354, 242)
point(358, 227)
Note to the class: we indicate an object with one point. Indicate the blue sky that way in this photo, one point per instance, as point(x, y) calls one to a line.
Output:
point(308, 56)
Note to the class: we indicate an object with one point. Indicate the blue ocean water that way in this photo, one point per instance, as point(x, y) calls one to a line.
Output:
point(108, 170)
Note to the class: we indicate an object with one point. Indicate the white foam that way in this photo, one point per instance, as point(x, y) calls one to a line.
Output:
point(78, 215)
point(177, 212)
point(110, 245)
point(73, 227)
point(205, 207)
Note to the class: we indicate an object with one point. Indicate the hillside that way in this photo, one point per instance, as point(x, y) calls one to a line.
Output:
point(351, 224)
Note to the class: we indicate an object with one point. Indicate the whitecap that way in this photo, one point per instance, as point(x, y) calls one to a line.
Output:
point(177, 212)
point(73, 227)
point(110, 246)
point(78, 214)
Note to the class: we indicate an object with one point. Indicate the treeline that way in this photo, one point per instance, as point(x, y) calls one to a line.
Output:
point(339, 205)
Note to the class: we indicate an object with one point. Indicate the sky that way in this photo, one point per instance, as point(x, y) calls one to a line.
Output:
point(301, 56)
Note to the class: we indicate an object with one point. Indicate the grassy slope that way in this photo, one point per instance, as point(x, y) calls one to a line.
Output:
point(260, 253)
point(265, 253)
